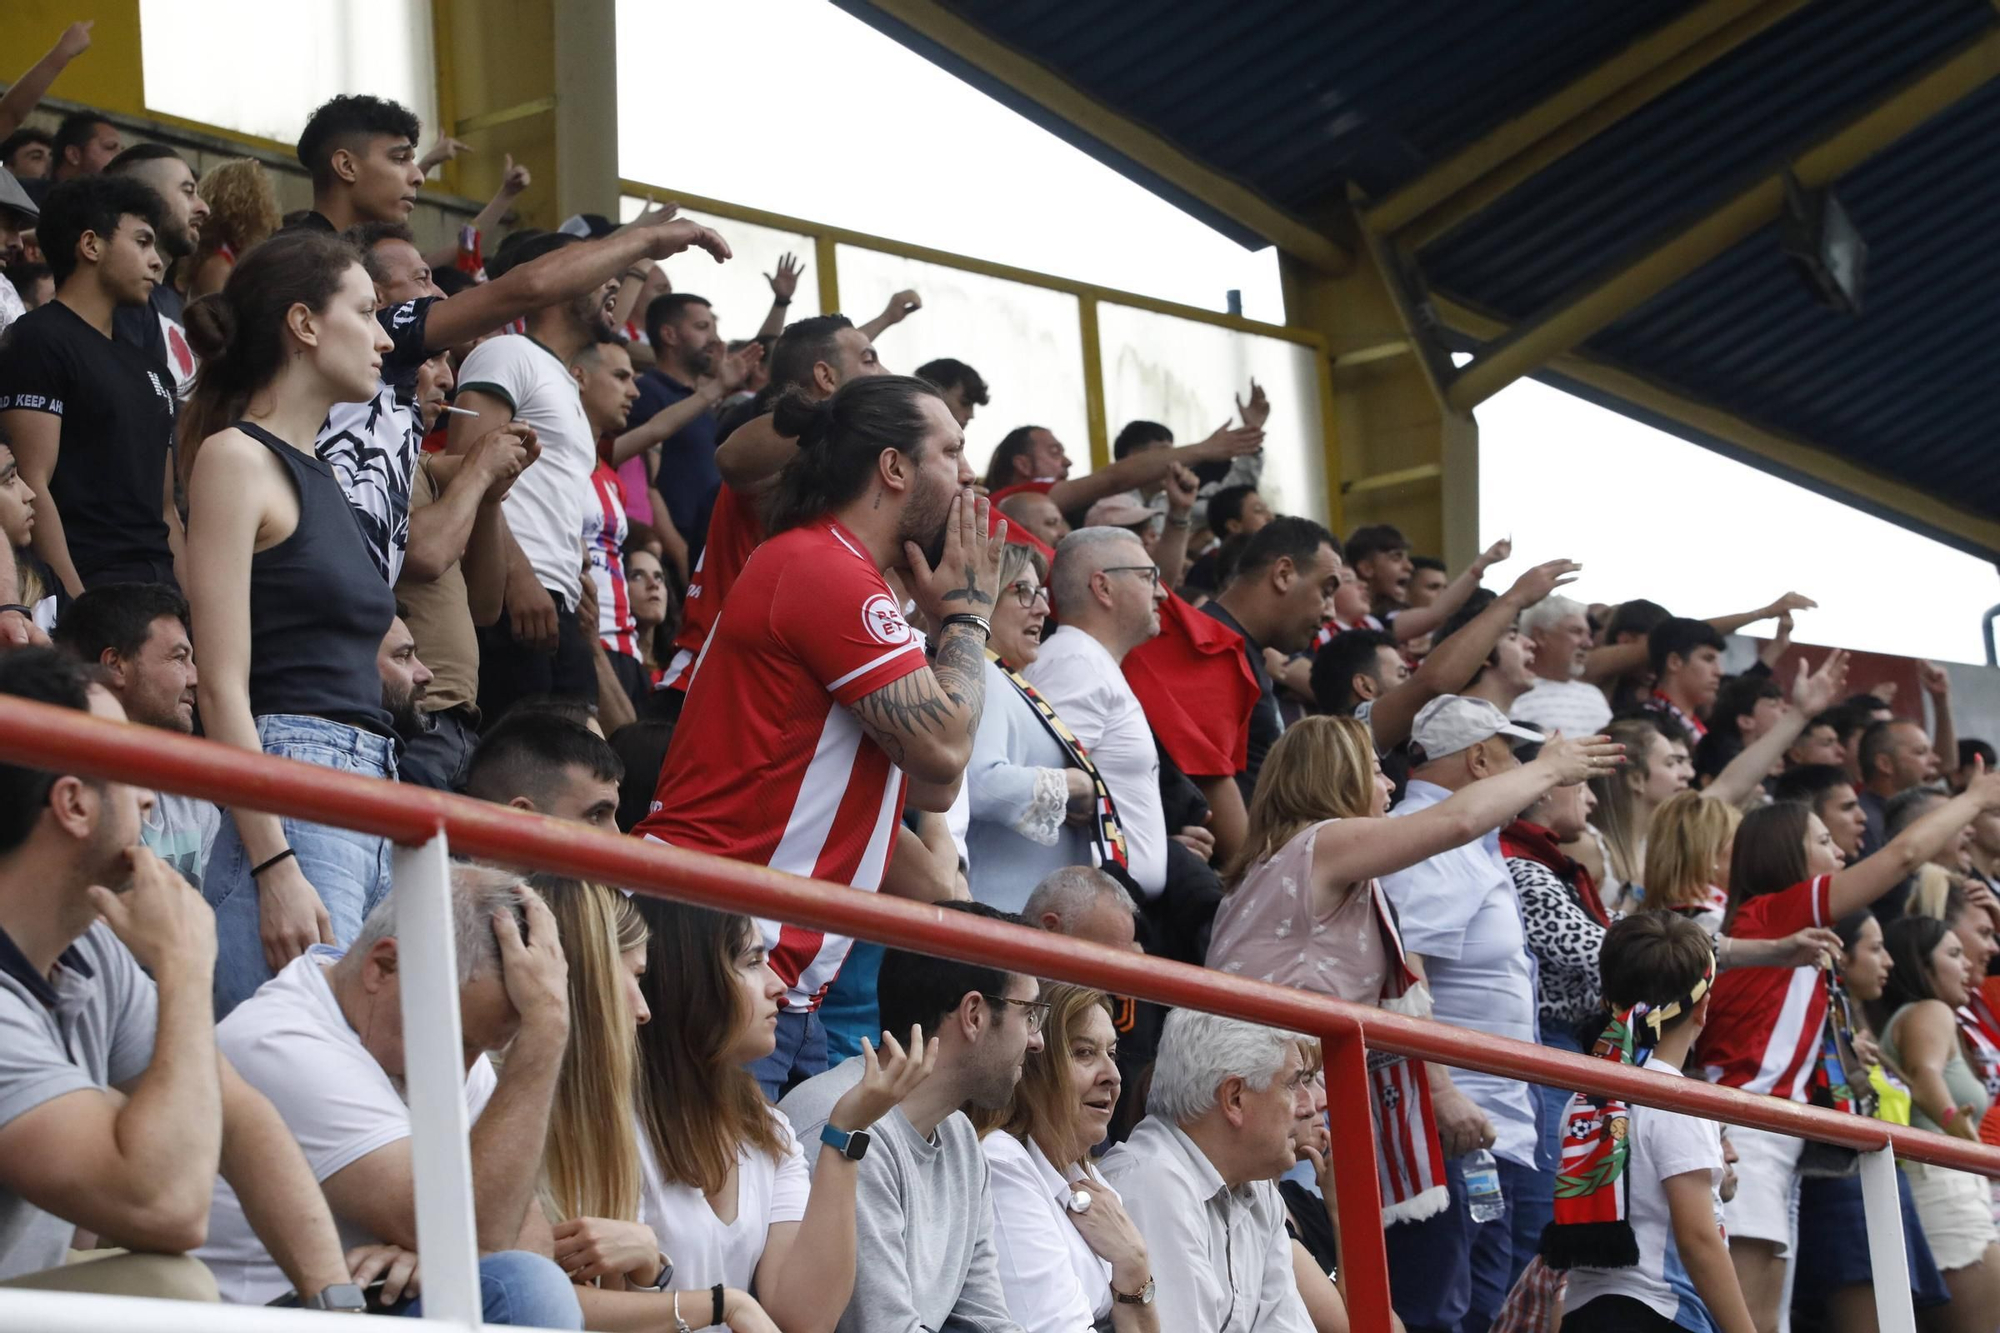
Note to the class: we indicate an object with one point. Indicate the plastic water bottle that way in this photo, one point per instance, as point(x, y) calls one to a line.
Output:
point(1482, 1186)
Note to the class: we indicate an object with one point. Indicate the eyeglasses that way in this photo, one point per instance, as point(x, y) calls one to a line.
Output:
point(1035, 1012)
point(1152, 572)
point(1028, 596)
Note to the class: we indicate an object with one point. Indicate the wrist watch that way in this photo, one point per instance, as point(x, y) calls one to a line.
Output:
point(853, 1146)
point(1143, 1296)
point(344, 1297)
point(659, 1283)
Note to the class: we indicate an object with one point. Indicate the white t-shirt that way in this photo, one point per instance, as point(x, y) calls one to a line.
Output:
point(769, 1190)
point(291, 1042)
point(546, 506)
point(1665, 1144)
point(1083, 683)
point(1573, 707)
point(1054, 1281)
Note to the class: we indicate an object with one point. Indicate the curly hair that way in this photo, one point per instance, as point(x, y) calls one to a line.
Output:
point(242, 206)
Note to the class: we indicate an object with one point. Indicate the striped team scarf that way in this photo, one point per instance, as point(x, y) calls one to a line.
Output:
point(1591, 1228)
point(1832, 1087)
point(1109, 838)
point(1410, 1163)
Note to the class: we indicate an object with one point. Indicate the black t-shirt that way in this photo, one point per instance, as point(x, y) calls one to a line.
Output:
point(159, 329)
point(117, 421)
point(1265, 724)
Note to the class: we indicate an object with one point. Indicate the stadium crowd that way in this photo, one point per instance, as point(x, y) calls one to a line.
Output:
point(513, 519)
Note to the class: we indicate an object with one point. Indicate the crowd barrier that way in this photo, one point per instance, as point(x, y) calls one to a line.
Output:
point(425, 824)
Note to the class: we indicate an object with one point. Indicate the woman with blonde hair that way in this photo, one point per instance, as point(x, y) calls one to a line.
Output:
point(1687, 858)
point(242, 210)
point(1656, 767)
point(1061, 1267)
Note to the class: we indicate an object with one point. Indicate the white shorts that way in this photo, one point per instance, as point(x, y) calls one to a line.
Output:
point(1956, 1208)
point(1766, 1206)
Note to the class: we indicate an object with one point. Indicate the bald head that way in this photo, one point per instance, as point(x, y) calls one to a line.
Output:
point(1086, 904)
point(1037, 515)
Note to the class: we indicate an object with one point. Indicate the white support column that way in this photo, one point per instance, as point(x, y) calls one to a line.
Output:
point(434, 1058)
point(1894, 1312)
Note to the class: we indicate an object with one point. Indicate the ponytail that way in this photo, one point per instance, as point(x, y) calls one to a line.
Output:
point(840, 441)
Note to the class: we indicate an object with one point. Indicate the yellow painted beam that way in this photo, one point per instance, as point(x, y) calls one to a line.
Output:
point(1508, 172)
point(110, 76)
point(1637, 74)
point(487, 120)
point(1093, 386)
point(826, 253)
point(1409, 476)
point(1531, 344)
point(1053, 93)
point(1783, 451)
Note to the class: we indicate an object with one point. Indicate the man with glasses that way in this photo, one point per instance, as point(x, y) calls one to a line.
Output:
point(1107, 596)
point(923, 1216)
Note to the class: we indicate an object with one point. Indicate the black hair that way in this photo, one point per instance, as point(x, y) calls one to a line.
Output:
point(1873, 703)
point(137, 153)
point(25, 276)
point(94, 204)
point(1808, 784)
point(1906, 808)
point(948, 374)
point(1226, 507)
point(1738, 698)
point(524, 753)
point(1876, 741)
point(642, 747)
point(510, 257)
point(20, 139)
point(1291, 536)
point(1374, 540)
point(1846, 720)
point(919, 989)
point(365, 236)
point(1473, 607)
point(1429, 562)
point(1969, 749)
point(839, 442)
point(1343, 657)
point(117, 616)
point(46, 676)
point(339, 123)
point(451, 281)
point(1910, 941)
point(1653, 958)
point(1637, 616)
point(1228, 555)
point(666, 308)
point(77, 129)
point(1849, 929)
point(804, 344)
point(1014, 444)
point(1138, 435)
point(1678, 636)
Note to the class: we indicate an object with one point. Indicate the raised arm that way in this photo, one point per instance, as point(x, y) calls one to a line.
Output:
point(733, 369)
point(1869, 878)
point(514, 180)
point(1421, 620)
point(1148, 467)
point(784, 282)
point(1349, 851)
point(1171, 555)
point(1619, 659)
point(901, 306)
point(31, 87)
point(1944, 733)
point(1448, 666)
point(1811, 695)
point(754, 453)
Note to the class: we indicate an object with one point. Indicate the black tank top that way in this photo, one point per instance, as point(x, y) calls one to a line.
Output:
point(318, 606)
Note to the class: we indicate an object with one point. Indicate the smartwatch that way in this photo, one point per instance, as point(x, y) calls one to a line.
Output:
point(852, 1146)
point(1143, 1296)
point(344, 1297)
point(659, 1283)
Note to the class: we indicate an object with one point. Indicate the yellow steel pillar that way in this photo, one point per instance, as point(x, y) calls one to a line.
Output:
point(1400, 453)
point(109, 76)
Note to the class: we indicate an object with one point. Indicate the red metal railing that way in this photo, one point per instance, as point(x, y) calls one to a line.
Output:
point(46, 736)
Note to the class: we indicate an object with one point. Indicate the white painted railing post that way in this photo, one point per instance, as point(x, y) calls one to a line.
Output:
point(1887, 1259)
point(434, 1065)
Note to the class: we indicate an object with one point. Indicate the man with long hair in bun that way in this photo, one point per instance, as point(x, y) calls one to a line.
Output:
point(813, 683)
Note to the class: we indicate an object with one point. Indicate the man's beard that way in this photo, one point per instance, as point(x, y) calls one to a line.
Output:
point(926, 521)
point(175, 243)
point(406, 714)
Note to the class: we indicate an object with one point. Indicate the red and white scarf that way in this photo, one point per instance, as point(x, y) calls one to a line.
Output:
point(1410, 1162)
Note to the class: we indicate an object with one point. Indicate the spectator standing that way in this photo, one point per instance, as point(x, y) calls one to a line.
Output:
point(105, 965)
point(1561, 699)
point(27, 152)
point(1827, 789)
point(540, 761)
point(27, 91)
point(325, 1043)
point(136, 634)
point(1379, 555)
point(159, 329)
point(104, 510)
point(814, 682)
point(681, 329)
point(1428, 579)
point(1107, 595)
point(1032, 514)
point(965, 392)
point(1199, 1174)
point(1686, 657)
point(1656, 767)
point(242, 210)
point(1894, 757)
point(291, 606)
point(85, 144)
point(924, 1247)
point(361, 153)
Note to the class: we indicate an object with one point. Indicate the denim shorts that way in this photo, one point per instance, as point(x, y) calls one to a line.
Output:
point(349, 869)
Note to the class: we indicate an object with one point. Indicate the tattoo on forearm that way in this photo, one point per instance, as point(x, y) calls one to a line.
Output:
point(930, 702)
point(960, 669)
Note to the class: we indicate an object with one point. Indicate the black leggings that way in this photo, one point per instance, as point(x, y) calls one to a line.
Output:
point(1618, 1314)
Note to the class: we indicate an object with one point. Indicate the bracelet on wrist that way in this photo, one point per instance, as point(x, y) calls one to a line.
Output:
point(781, 301)
point(716, 1291)
point(1179, 521)
point(981, 623)
point(287, 854)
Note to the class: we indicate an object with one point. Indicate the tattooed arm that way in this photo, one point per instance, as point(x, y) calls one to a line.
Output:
point(925, 721)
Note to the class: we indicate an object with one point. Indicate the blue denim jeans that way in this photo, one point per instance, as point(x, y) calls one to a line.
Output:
point(1430, 1264)
point(522, 1290)
point(350, 870)
point(801, 1053)
point(1535, 1206)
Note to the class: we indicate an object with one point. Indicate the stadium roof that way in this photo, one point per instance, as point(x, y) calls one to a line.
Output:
point(1565, 175)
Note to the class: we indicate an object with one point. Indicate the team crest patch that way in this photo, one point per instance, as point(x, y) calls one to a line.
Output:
point(883, 620)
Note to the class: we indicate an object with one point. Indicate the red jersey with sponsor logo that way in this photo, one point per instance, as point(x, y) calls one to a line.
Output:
point(767, 764)
point(733, 533)
point(1765, 1023)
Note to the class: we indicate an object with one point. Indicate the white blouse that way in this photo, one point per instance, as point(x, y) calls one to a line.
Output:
point(704, 1249)
point(1054, 1281)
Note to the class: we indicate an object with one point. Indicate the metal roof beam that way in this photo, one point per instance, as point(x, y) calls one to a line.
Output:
point(1475, 177)
point(1126, 137)
point(1532, 343)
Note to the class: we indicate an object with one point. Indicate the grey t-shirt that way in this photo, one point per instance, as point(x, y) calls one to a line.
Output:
point(90, 1026)
point(923, 1219)
point(180, 831)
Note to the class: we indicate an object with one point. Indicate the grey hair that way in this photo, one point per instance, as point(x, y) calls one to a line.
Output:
point(1549, 610)
point(478, 892)
point(1074, 890)
point(1014, 557)
point(1198, 1051)
point(1080, 557)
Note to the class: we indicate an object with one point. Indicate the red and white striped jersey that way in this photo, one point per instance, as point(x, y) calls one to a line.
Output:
point(1765, 1024)
point(734, 530)
point(767, 764)
point(604, 530)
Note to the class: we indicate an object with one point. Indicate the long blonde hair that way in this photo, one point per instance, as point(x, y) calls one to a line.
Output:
point(1045, 1098)
point(1617, 815)
point(590, 1167)
point(1684, 844)
point(1322, 768)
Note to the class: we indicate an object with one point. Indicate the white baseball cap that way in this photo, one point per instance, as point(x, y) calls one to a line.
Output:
point(1454, 722)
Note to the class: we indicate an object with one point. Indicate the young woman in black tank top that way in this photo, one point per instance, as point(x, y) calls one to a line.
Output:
point(289, 608)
